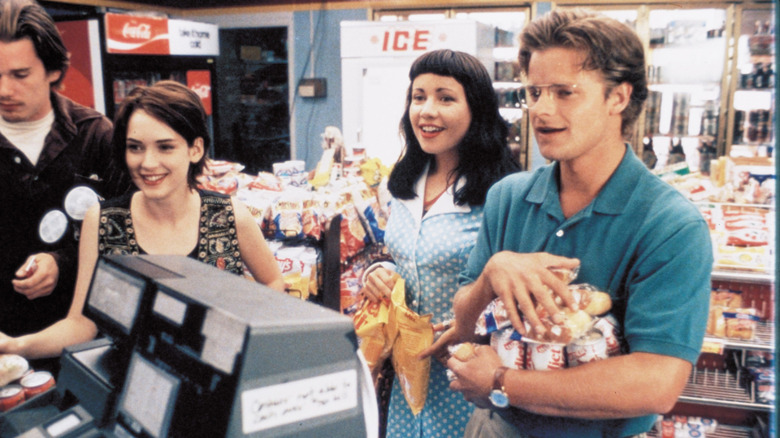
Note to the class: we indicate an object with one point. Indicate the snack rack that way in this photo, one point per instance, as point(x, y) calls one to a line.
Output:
point(720, 432)
point(720, 387)
point(716, 387)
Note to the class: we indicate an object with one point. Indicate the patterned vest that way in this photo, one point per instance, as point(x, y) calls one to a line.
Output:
point(217, 239)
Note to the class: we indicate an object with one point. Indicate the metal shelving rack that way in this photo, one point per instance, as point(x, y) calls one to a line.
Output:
point(721, 432)
point(723, 388)
point(763, 341)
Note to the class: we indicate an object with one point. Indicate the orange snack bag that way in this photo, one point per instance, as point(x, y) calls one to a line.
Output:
point(414, 334)
point(371, 327)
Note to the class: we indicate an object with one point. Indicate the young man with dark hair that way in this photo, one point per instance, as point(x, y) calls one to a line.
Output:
point(48, 145)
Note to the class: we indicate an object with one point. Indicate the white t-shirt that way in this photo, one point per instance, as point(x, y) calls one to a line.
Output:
point(28, 137)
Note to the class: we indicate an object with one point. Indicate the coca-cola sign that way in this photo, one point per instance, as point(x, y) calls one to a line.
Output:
point(131, 34)
point(199, 81)
point(140, 31)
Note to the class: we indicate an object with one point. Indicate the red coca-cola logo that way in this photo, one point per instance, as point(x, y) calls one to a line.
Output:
point(140, 31)
point(202, 90)
point(137, 35)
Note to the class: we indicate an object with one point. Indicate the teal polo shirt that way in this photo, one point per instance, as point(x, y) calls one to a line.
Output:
point(640, 240)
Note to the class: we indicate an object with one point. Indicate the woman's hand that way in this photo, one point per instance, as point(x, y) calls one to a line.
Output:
point(7, 344)
point(379, 284)
point(439, 350)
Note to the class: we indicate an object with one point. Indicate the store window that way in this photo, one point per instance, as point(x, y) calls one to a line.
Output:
point(253, 89)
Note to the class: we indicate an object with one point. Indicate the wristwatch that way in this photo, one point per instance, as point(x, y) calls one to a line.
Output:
point(498, 395)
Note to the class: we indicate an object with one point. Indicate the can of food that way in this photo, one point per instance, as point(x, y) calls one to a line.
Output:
point(510, 349)
point(667, 428)
point(609, 328)
point(539, 356)
point(37, 383)
point(10, 396)
point(589, 348)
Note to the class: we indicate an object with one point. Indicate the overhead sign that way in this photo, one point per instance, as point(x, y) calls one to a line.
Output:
point(406, 38)
point(142, 35)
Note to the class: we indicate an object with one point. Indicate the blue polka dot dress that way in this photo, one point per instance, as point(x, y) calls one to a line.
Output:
point(430, 252)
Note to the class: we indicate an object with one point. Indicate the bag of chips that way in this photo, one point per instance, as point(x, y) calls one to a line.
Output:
point(415, 334)
point(371, 327)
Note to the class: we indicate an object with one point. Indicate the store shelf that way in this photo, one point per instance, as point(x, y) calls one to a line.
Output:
point(723, 431)
point(743, 276)
point(763, 340)
point(720, 388)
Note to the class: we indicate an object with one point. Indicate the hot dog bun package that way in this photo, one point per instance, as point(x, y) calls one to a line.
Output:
point(590, 322)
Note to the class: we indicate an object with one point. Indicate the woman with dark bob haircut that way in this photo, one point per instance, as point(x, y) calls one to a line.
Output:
point(456, 148)
point(160, 133)
point(484, 156)
point(173, 104)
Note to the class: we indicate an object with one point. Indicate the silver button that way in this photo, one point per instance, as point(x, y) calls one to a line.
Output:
point(559, 233)
point(17, 160)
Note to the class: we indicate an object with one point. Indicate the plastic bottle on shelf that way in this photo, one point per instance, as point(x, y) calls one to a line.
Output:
point(648, 153)
point(753, 126)
point(707, 153)
point(676, 152)
point(739, 127)
point(680, 113)
point(709, 119)
point(758, 76)
point(762, 40)
point(769, 77)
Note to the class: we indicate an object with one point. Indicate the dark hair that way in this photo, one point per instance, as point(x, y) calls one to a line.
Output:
point(483, 154)
point(610, 47)
point(20, 19)
point(173, 104)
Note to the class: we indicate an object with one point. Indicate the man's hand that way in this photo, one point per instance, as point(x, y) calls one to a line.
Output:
point(440, 348)
point(523, 281)
point(37, 277)
point(474, 376)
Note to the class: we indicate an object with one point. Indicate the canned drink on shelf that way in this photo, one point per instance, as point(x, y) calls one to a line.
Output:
point(589, 348)
point(739, 127)
point(539, 356)
point(667, 428)
point(11, 396)
point(37, 383)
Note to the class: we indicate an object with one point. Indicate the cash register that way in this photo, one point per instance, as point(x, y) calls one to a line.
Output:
point(191, 351)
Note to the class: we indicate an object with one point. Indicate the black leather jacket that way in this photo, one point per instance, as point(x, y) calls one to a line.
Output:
point(76, 151)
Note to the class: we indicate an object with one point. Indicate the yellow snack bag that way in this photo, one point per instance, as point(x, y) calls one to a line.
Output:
point(373, 171)
point(415, 334)
point(371, 328)
point(324, 166)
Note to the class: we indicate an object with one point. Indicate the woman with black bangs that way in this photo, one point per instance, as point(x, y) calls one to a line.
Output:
point(456, 148)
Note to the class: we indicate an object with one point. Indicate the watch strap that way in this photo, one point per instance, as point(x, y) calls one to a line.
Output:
point(498, 378)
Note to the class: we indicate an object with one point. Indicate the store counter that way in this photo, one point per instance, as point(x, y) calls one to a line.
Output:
point(191, 351)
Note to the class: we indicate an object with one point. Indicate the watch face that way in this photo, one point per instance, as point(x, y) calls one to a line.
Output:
point(499, 398)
